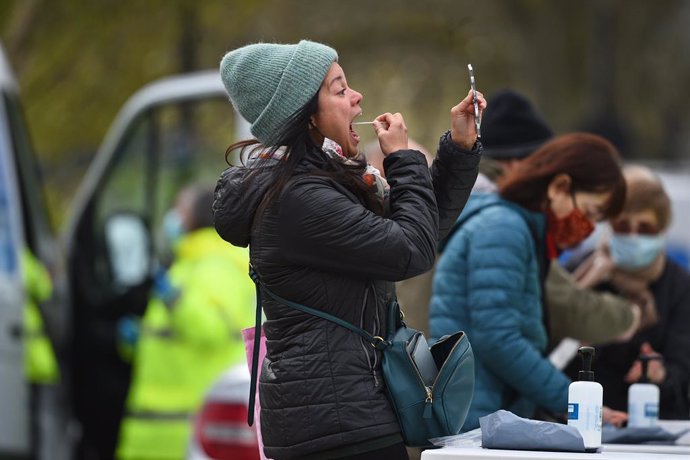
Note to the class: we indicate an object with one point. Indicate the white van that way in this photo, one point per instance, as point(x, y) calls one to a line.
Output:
point(26, 416)
point(170, 133)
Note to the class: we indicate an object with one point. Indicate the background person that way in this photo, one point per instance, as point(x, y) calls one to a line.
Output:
point(511, 131)
point(489, 279)
point(633, 263)
point(190, 333)
point(40, 363)
point(321, 234)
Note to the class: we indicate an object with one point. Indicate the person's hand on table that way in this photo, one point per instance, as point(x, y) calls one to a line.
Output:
point(613, 417)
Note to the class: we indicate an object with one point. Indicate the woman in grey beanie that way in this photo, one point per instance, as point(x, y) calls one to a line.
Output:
point(327, 232)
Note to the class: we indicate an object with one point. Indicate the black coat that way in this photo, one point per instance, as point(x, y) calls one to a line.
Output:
point(670, 337)
point(321, 385)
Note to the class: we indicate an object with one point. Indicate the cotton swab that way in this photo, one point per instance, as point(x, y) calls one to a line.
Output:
point(370, 123)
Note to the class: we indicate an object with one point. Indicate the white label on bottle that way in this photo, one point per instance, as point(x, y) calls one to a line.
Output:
point(651, 410)
point(573, 411)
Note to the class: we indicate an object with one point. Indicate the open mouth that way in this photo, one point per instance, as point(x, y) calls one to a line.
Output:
point(353, 133)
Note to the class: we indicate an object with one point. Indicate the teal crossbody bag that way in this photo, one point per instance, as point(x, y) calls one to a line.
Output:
point(430, 389)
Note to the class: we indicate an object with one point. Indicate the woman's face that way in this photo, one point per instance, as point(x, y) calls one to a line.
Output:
point(563, 201)
point(639, 223)
point(338, 106)
point(591, 204)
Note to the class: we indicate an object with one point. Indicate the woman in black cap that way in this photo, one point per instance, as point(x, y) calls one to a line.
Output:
point(323, 231)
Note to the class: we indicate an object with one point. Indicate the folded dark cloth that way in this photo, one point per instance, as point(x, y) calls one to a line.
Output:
point(638, 435)
point(505, 430)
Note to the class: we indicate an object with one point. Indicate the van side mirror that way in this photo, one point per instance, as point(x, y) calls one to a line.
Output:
point(128, 242)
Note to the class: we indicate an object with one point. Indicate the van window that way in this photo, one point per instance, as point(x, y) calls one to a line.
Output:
point(37, 228)
point(193, 140)
point(165, 148)
point(130, 182)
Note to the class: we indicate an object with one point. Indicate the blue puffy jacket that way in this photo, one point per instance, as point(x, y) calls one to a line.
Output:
point(487, 283)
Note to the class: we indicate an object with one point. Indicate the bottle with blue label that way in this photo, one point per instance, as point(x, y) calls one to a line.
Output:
point(585, 400)
point(643, 397)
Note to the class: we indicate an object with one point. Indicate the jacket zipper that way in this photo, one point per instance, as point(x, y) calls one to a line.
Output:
point(365, 346)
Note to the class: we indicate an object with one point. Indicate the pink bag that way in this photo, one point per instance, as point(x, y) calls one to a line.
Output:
point(248, 336)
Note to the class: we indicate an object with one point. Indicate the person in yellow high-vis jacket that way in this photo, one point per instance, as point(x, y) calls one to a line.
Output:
point(190, 333)
point(40, 364)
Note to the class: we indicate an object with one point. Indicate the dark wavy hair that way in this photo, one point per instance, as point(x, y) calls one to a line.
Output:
point(592, 163)
point(295, 144)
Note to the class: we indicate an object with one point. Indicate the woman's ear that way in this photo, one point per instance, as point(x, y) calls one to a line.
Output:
point(559, 185)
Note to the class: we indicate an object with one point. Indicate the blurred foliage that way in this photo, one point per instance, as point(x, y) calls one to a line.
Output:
point(613, 66)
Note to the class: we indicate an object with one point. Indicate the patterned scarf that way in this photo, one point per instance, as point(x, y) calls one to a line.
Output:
point(371, 176)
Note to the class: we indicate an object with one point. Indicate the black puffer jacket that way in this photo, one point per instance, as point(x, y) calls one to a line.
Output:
point(670, 336)
point(321, 385)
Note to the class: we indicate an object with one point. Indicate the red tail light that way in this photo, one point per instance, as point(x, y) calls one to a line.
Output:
point(223, 434)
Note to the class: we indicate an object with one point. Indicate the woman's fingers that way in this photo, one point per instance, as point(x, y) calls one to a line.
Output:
point(382, 122)
point(391, 131)
point(463, 131)
point(466, 106)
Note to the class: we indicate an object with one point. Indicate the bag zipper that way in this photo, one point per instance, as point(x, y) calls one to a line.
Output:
point(427, 390)
point(430, 390)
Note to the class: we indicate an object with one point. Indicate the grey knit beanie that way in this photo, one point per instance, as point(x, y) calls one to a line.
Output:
point(268, 82)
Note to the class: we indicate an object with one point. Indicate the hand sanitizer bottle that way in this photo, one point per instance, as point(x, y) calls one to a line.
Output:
point(585, 399)
point(643, 398)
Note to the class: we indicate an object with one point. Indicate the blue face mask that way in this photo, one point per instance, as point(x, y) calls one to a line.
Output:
point(172, 227)
point(635, 251)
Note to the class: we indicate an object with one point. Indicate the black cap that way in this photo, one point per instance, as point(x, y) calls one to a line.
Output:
point(511, 128)
point(587, 353)
point(645, 359)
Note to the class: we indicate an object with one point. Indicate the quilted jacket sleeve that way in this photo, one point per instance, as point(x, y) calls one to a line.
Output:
point(505, 324)
point(676, 341)
point(323, 227)
point(453, 172)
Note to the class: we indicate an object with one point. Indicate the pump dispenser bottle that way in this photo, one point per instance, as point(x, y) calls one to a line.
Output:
point(643, 398)
point(585, 399)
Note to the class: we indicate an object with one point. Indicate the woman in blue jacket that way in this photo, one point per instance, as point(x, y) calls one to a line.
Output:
point(490, 276)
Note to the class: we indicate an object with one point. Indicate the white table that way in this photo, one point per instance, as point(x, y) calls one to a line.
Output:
point(477, 453)
point(609, 451)
point(682, 446)
point(676, 426)
point(650, 448)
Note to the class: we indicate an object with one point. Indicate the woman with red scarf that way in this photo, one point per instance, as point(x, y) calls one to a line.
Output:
point(489, 280)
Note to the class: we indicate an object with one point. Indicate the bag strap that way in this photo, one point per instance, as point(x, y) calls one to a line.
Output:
point(377, 342)
point(255, 351)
